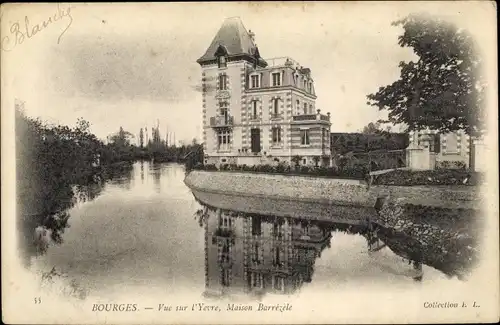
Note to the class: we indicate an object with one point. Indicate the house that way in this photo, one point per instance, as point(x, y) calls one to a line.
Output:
point(450, 149)
point(258, 111)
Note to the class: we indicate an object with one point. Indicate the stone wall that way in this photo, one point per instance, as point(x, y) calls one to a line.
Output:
point(443, 238)
point(328, 190)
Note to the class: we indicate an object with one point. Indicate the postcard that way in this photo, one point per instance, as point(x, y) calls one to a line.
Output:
point(249, 162)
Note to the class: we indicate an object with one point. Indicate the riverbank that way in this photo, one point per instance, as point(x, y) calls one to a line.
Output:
point(434, 225)
point(341, 192)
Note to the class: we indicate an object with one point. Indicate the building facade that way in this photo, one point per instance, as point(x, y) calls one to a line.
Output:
point(258, 111)
point(447, 150)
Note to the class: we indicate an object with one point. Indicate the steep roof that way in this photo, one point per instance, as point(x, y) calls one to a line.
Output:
point(233, 38)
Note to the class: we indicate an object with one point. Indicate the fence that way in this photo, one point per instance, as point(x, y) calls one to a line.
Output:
point(372, 160)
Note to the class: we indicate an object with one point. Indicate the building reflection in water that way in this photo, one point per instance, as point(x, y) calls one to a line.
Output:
point(256, 254)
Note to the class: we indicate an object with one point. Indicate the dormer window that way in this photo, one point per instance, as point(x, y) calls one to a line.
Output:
point(221, 55)
point(222, 61)
point(255, 81)
point(276, 79)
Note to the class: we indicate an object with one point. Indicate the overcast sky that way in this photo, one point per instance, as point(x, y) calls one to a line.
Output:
point(131, 64)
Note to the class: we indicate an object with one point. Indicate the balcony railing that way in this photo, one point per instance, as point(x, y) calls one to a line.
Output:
point(282, 61)
point(220, 121)
point(312, 117)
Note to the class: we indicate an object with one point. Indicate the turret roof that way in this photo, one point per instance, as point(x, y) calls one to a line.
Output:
point(233, 38)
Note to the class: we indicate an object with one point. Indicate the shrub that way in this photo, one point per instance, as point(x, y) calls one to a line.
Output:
point(210, 167)
point(429, 177)
point(280, 168)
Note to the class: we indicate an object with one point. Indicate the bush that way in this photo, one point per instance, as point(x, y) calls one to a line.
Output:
point(304, 170)
point(280, 168)
point(210, 167)
point(429, 177)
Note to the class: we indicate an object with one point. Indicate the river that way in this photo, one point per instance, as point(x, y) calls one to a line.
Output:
point(142, 233)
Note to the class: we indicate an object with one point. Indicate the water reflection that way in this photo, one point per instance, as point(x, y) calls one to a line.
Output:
point(253, 254)
point(140, 233)
point(50, 209)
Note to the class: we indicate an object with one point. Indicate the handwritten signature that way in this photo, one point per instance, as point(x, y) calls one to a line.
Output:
point(20, 32)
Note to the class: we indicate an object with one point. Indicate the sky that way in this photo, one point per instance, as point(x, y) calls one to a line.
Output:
point(133, 65)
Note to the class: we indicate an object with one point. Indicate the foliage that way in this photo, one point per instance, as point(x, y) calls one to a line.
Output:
point(443, 90)
point(446, 164)
point(296, 160)
point(356, 172)
point(57, 166)
point(121, 138)
point(316, 160)
point(429, 177)
point(343, 143)
point(141, 138)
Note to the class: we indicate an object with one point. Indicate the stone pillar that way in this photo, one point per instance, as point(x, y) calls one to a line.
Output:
point(480, 158)
point(418, 158)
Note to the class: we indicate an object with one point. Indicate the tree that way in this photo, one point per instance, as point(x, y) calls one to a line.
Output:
point(316, 160)
point(296, 159)
point(444, 89)
point(141, 138)
point(371, 128)
point(121, 138)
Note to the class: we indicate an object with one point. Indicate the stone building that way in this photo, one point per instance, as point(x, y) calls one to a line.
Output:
point(258, 111)
point(451, 149)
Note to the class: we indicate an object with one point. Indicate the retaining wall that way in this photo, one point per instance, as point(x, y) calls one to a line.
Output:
point(332, 191)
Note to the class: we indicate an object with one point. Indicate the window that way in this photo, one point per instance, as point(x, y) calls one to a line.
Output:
point(225, 277)
point(276, 107)
point(257, 254)
point(257, 280)
point(224, 113)
point(310, 87)
point(278, 256)
point(224, 140)
point(223, 107)
point(222, 62)
point(222, 82)
point(276, 79)
point(276, 135)
point(279, 283)
point(255, 114)
point(305, 84)
point(304, 137)
point(255, 81)
point(256, 226)
point(311, 111)
point(305, 108)
point(298, 107)
point(278, 230)
point(451, 143)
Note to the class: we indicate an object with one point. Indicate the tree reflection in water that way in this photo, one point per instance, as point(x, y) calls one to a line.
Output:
point(47, 225)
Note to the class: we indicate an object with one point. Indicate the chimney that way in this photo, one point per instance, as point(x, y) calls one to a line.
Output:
point(252, 35)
